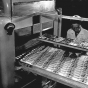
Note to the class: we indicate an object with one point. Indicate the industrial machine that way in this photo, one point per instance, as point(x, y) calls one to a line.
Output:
point(32, 44)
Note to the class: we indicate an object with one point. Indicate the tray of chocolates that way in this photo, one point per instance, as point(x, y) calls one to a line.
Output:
point(40, 63)
point(56, 61)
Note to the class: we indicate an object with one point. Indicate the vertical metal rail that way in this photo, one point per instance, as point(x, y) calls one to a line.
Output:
point(55, 26)
point(58, 24)
point(40, 25)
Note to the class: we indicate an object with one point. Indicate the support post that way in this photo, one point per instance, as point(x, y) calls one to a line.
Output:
point(7, 58)
point(58, 23)
point(40, 25)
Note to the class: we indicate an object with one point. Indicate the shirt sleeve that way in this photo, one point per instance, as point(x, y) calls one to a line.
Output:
point(86, 35)
point(70, 34)
point(83, 36)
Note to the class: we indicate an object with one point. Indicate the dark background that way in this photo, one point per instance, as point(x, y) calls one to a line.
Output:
point(70, 8)
point(73, 7)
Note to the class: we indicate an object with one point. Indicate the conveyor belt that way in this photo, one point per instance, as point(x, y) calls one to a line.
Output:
point(64, 44)
point(52, 61)
point(55, 77)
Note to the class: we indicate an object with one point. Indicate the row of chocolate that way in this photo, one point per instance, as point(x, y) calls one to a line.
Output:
point(54, 60)
point(64, 40)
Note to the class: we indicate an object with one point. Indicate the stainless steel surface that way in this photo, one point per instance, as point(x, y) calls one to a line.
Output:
point(72, 68)
point(45, 58)
point(56, 61)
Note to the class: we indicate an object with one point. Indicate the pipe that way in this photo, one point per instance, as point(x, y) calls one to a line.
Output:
point(7, 7)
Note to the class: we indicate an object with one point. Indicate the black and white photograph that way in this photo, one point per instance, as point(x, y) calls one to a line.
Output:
point(43, 43)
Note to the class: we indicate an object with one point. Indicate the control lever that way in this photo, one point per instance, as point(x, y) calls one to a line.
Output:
point(9, 27)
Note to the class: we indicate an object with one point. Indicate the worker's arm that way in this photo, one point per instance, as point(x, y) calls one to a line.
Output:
point(70, 34)
point(83, 36)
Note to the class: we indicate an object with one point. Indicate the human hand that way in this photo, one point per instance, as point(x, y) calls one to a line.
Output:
point(77, 41)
